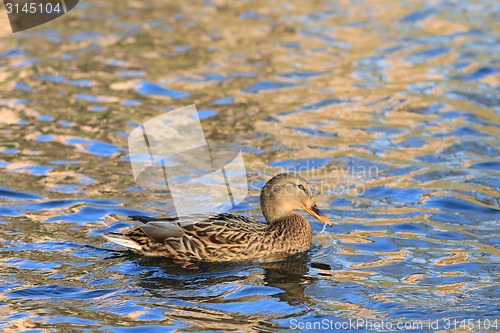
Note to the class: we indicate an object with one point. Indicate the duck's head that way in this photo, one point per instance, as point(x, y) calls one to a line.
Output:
point(285, 193)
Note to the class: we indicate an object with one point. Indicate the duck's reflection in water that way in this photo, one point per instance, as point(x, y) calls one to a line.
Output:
point(235, 296)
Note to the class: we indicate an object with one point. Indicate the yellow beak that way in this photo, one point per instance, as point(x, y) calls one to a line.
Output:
point(314, 211)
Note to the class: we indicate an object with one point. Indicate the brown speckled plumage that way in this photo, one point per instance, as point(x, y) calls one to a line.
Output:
point(229, 237)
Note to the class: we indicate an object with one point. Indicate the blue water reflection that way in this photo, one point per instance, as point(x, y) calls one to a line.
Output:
point(390, 110)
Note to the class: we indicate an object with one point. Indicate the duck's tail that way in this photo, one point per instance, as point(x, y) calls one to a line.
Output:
point(122, 240)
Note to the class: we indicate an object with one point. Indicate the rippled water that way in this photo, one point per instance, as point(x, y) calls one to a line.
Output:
point(391, 109)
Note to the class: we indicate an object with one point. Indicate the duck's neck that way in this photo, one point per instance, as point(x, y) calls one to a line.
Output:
point(293, 231)
point(275, 213)
point(291, 221)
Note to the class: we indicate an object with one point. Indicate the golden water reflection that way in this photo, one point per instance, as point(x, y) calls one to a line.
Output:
point(389, 108)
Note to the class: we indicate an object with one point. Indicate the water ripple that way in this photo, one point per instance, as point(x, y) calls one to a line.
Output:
point(391, 114)
point(148, 88)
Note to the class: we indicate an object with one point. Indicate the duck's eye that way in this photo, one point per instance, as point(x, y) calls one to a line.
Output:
point(300, 186)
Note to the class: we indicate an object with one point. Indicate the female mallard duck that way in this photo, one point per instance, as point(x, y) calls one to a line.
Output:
point(229, 237)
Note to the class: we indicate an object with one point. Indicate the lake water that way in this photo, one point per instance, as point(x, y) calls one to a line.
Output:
point(389, 108)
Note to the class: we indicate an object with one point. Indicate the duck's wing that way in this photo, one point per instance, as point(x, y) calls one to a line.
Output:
point(193, 218)
point(216, 228)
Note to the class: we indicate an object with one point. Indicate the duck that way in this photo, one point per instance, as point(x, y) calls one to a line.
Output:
point(227, 237)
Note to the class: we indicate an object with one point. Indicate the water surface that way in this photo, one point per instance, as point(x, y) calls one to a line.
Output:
point(390, 108)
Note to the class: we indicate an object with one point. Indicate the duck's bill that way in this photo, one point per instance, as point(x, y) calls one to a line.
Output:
point(315, 212)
